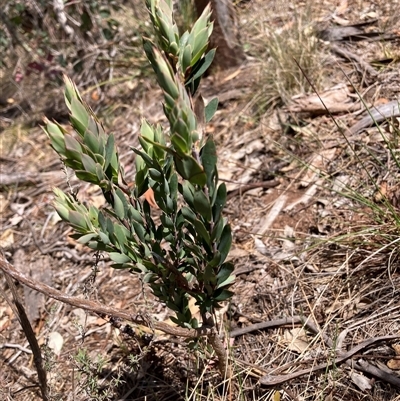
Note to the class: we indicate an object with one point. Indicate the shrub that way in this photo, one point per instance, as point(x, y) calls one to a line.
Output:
point(183, 254)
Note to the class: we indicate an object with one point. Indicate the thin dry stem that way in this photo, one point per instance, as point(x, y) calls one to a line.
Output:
point(100, 309)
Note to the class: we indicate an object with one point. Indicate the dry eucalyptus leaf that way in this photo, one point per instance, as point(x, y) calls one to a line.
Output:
point(395, 363)
point(55, 342)
point(7, 238)
point(3, 203)
point(296, 339)
point(362, 382)
point(261, 247)
point(277, 396)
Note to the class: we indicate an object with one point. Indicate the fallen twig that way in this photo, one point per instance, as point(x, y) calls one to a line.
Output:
point(376, 115)
point(351, 56)
point(267, 325)
point(96, 307)
point(244, 188)
point(17, 346)
point(271, 380)
point(19, 311)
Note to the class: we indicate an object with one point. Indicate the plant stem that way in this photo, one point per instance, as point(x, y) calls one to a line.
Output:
point(221, 352)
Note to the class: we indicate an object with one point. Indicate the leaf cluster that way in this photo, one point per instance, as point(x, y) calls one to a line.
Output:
point(184, 253)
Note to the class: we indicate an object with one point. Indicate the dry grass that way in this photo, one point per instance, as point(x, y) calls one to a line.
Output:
point(280, 42)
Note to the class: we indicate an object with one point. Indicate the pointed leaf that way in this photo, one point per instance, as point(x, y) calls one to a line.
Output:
point(91, 141)
point(211, 108)
point(202, 66)
point(223, 295)
point(202, 204)
point(118, 206)
point(77, 220)
point(87, 177)
point(80, 113)
point(209, 160)
point(119, 257)
point(88, 164)
point(86, 238)
point(190, 170)
point(110, 150)
point(226, 242)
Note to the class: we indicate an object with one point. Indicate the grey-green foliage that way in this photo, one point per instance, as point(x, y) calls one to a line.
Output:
point(185, 254)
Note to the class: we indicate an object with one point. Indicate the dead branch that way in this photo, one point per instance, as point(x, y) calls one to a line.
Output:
point(272, 380)
point(376, 115)
point(98, 308)
point(19, 311)
point(351, 56)
point(103, 310)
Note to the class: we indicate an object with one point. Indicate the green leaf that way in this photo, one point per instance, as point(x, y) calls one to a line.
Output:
point(202, 21)
point(86, 238)
point(173, 186)
point(77, 220)
point(156, 175)
point(62, 211)
point(110, 150)
point(91, 141)
point(121, 235)
point(201, 229)
point(224, 273)
point(100, 174)
point(80, 113)
point(135, 214)
point(211, 108)
point(177, 140)
point(119, 257)
point(186, 58)
point(220, 201)
point(104, 238)
point(226, 242)
point(201, 67)
point(217, 230)
point(69, 91)
point(200, 45)
point(202, 204)
point(188, 214)
point(209, 275)
point(118, 206)
point(139, 230)
point(222, 295)
point(109, 228)
point(56, 135)
point(146, 130)
point(169, 205)
point(187, 190)
point(209, 161)
point(159, 145)
point(72, 144)
point(164, 73)
point(148, 160)
point(229, 280)
point(190, 170)
point(88, 164)
point(79, 127)
point(99, 159)
point(167, 222)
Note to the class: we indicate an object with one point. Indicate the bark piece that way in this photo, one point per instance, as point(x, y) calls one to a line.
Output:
point(39, 270)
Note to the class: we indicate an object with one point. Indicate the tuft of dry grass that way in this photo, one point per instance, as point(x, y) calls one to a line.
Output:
point(280, 42)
